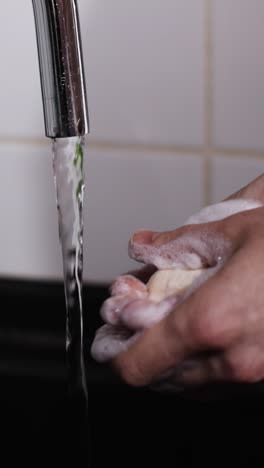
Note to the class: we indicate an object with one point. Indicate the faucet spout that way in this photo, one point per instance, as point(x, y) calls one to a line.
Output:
point(61, 68)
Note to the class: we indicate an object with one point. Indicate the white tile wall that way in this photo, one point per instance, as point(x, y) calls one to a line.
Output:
point(122, 195)
point(144, 69)
point(238, 70)
point(20, 92)
point(148, 64)
point(29, 245)
point(229, 174)
point(137, 191)
point(144, 63)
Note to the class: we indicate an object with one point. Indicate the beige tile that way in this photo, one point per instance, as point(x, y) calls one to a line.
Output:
point(238, 72)
point(126, 192)
point(229, 174)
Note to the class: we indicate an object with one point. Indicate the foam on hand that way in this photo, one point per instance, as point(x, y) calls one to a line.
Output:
point(183, 264)
point(193, 251)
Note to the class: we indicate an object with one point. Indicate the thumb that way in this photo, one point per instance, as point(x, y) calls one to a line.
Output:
point(189, 247)
point(197, 244)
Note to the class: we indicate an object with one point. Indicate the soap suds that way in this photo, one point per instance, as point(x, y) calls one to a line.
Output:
point(128, 285)
point(131, 309)
point(143, 314)
point(110, 341)
point(222, 210)
point(188, 251)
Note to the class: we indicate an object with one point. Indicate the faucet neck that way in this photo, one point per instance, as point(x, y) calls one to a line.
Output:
point(61, 68)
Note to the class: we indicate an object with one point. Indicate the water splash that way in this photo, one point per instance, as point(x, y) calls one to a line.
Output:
point(69, 183)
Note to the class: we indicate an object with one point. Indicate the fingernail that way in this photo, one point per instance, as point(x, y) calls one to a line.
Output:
point(143, 237)
point(155, 236)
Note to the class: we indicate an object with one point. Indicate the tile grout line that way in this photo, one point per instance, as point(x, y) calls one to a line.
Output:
point(207, 100)
point(146, 147)
point(112, 145)
point(236, 152)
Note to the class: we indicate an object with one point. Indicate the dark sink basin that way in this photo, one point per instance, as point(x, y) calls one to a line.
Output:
point(183, 429)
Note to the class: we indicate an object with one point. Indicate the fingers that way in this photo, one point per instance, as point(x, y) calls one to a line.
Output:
point(244, 361)
point(125, 290)
point(127, 285)
point(241, 364)
point(143, 314)
point(190, 373)
point(157, 350)
point(209, 319)
point(112, 308)
point(201, 371)
point(135, 314)
point(200, 321)
point(109, 341)
point(198, 243)
point(123, 329)
point(191, 247)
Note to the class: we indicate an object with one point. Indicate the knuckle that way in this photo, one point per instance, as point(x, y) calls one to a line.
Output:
point(208, 329)
point(205, 329)
point(129, 373)
point(240, 370)
point(243, 373)
point(214, 325)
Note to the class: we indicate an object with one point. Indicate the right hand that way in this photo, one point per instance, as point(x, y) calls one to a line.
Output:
point(128, 312)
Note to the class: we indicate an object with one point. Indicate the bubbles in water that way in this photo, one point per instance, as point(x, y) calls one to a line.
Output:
point(69, 183)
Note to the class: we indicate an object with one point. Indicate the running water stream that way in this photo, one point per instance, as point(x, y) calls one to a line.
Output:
point(69, 183)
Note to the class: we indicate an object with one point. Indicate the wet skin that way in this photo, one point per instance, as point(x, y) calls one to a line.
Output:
point(218, 327)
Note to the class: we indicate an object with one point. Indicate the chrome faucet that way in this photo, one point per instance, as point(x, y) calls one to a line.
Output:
point(61, 68)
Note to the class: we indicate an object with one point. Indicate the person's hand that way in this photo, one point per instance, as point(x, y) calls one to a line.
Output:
point(216, 331)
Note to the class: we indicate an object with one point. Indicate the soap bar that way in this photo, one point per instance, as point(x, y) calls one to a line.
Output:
point(165, 283)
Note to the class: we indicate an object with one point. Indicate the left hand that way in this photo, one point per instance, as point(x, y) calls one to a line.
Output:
point(217, 332)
